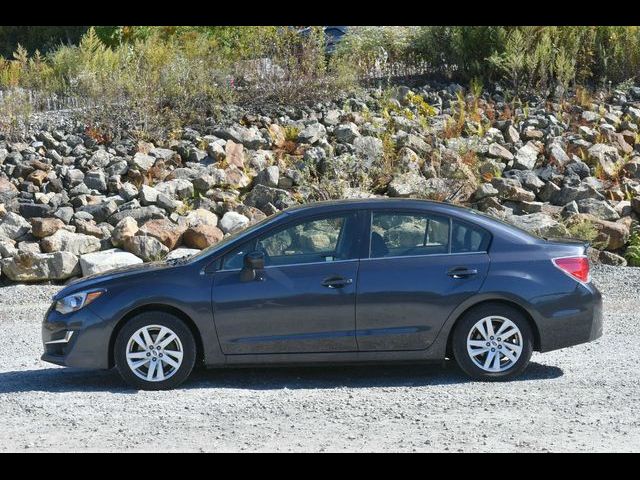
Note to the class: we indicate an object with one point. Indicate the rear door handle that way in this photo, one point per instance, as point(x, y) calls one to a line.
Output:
point(462, 272)
point(336, 282)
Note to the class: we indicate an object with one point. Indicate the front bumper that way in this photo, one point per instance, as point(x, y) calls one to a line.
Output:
point(78, 339)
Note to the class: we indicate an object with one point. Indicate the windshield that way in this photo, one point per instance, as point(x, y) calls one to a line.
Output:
point(232, 237)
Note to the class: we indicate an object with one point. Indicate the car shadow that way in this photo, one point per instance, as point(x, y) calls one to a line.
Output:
point(273, 378)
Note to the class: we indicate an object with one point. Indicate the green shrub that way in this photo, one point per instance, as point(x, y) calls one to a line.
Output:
point(160, 77)
point(582, 230)
point(633, 249)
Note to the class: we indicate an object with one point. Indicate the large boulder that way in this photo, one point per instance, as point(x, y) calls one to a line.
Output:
point(13, 225)
point(526, 157)
point(407, 184)
point(268, 177)
point(200, 215)
point(7, 247)
point(201, 236)
point(141, 214)
point(511, 189)
point(148, 195)
point(370, 149)
point(45, 227)
point(142, 162)
point(169, 233)
point(99, 262)
point(100, 211)
point(234, 154)
point(34, 267)
point(598, 208)
point(178, 187)
point(262, 195)
point(415, 143)
point(8, 190)
point(539, 224)
point(100, 159)
point(251, 137)
point(232, 221)
point(147, 248)
point(127, 227)
point(76, 243)
point(181, 253)
point(498, 151)
point(312, 133)
point(346, 132)
point(605, 156)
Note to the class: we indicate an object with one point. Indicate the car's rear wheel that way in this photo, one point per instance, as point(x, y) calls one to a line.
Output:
point(493, 342)
point(155, 351)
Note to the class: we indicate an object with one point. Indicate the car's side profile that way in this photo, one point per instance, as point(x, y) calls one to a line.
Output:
point(372, 280)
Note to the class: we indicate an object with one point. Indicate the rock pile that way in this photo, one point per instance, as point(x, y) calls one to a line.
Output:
point(72, 206)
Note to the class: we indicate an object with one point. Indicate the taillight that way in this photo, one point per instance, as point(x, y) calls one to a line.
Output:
point(577, 267)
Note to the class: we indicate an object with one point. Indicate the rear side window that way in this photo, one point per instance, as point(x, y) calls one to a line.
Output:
point(468, 238)
point(408, 234)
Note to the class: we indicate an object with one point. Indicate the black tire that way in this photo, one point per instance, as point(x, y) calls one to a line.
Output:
point(463, 328)
point(161, 319)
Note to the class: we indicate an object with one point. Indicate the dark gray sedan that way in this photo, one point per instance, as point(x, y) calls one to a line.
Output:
point(373, 280)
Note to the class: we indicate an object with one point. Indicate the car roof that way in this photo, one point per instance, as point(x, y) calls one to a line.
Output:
point(374, 202)
point(495, 226)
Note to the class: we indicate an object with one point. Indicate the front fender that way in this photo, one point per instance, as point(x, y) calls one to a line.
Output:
point(183, 289)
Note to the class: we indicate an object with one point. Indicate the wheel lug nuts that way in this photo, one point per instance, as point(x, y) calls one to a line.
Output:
point(499, 339)
point(148, 354)
point(499, 346)
point(491, 338)
point(160, 355)
point(488, 344)
point(493, 350)
point(154, 359)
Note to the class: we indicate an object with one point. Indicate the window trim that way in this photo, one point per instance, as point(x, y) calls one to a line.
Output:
point(398, 257)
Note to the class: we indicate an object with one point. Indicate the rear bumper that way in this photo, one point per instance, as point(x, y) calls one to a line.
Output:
point(573, 320)
point(79, 339)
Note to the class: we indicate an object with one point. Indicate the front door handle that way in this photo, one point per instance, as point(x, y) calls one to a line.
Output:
point(462, 272)
point(336, 282)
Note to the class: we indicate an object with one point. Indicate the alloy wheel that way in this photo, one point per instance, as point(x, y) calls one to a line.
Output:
point(494, 344)
point(154, 353)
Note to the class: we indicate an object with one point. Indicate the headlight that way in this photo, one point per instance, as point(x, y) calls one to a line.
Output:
point(75, 302)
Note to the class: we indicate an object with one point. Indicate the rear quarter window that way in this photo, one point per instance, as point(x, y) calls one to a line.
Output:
point(468, 238)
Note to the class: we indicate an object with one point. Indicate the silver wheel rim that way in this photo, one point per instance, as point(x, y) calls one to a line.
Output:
point(154, 353)
point(494, 344)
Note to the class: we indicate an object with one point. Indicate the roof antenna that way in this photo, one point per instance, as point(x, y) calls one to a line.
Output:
point(453, 195)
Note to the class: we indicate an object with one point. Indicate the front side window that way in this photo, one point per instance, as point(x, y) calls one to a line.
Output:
point(319, 240)
point(234, 260)
point(407, 234)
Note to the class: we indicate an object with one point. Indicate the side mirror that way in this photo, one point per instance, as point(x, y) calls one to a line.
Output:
point(252, 261)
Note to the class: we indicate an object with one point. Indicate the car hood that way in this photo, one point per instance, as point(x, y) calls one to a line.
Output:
point(102, 279)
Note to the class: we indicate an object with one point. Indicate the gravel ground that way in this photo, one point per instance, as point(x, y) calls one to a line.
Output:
point(584, 398)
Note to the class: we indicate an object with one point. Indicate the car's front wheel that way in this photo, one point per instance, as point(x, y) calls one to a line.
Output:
point(493, 342)
point(155, 351)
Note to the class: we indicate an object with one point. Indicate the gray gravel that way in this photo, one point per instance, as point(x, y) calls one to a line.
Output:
point(584, 398)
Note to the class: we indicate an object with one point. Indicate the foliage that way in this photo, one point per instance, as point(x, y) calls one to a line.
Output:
point(42, 38)
point(160, 77)
point(633, 249)
point(15, 110)
point(156, 79)
point(583, 229)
